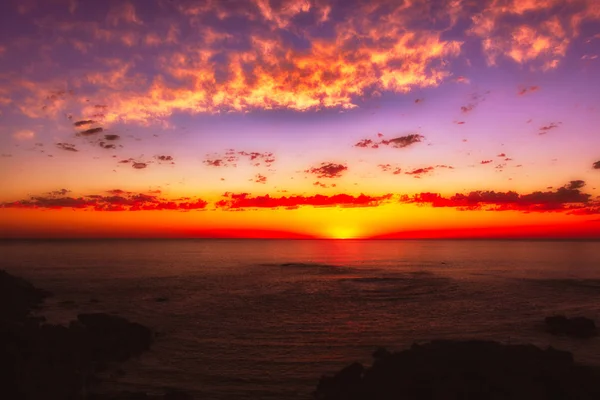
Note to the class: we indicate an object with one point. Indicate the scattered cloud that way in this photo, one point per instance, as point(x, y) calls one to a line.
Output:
point(487, 161)
point(544, 129)
point(105, 145)
point(398, 142)
point(139, 165)
point(596, 165)
point(259, 179)
point(417, 173)
point(328, 170)
point(164, 158)
point(390, 168)
point(468, 108)
point(112, 137)
point(66, 146)
point(324, 185)
point(527, 89)
point(231, 157)
point(404, 141)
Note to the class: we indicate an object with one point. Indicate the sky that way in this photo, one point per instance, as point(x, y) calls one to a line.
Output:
point(300, 118)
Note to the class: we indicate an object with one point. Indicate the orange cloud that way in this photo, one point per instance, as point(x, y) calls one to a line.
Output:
point(531, 30)
point(367, 53)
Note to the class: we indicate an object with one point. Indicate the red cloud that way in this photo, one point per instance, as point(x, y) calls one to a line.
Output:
point(566, 198)
point(118, 200)
point(260, 178)
point(328, 170)
point(245, 200)
point(487, 161)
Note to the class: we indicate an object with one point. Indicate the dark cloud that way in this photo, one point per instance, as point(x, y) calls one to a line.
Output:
point(566, 198)
point(328, 170)
point(417, 101)
point(404, 141)
point(92, 131)
point(417, 173)
point(60, 192)
point(234, 201)
point(164, 158)
point(112, 137)
point(596, 165)
point(66, 146)
point(546, 128)
point(118, 200)
point(139, 165)
point(398, 142)
point(84, 122)
point(573, 185)
point(231, 157)
point(528, 89)
point(105, 145)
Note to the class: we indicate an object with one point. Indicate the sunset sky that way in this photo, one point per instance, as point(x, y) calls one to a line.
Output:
point(300, 118)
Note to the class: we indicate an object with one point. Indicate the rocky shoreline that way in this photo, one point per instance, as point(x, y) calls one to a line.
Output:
point(44, 361)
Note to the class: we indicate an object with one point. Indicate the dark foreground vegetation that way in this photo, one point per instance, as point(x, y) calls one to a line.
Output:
point(44, 361)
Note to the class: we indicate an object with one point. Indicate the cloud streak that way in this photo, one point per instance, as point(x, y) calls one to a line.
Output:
point(112, 200)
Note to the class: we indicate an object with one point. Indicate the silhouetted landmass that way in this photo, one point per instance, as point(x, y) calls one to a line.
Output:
point(580, 327)
point(44, 361)
point(453, 370)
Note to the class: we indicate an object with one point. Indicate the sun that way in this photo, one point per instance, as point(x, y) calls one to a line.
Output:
point(342, 232)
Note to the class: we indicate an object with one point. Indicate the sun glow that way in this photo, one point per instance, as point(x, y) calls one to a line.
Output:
point(343, 232)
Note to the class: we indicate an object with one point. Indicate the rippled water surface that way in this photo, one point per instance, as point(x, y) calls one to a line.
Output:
point(264, 319)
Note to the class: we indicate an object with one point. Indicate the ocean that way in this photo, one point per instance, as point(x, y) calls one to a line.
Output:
point(264, 319)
